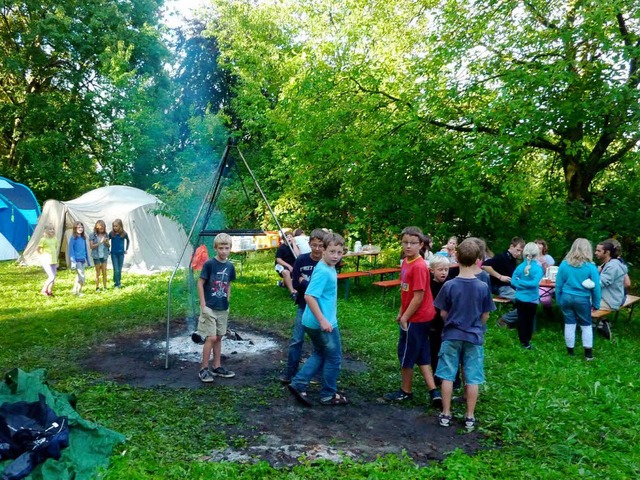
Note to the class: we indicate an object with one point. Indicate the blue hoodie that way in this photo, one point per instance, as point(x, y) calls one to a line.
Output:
point(569, 281)
point(527, 286)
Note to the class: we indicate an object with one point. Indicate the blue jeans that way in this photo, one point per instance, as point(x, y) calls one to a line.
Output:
point(510, 294)
point(326, 357)
point(576, 309)
point(295, 345)
point(117, 260)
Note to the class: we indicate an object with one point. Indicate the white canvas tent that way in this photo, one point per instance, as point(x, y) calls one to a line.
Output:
point(156, 241)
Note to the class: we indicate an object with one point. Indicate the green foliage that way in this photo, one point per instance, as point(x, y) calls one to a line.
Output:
point(491, 119)
point(81, 91)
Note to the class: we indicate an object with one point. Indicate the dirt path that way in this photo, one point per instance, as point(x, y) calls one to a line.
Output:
point(275, 432)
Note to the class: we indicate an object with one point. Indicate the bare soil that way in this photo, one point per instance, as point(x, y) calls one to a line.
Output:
point(281, 431)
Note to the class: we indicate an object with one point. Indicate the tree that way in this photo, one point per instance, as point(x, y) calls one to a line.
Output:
point(68, 68)
point(463, 116)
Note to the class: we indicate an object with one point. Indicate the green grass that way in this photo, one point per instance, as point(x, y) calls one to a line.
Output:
point(545, 415)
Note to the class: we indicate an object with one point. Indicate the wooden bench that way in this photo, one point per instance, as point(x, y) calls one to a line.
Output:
point(384, 271)
point(387, 284)
point(629, 302)
point(497, 299)
point(348, 276)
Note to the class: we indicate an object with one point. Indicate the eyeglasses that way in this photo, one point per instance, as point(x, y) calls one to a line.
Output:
point(410, 244)
point(317, 246)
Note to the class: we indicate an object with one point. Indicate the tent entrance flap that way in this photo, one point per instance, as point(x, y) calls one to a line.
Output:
point(206, 210)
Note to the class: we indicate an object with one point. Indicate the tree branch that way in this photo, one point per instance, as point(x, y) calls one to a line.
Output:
point(626, 148)
point(542, 20)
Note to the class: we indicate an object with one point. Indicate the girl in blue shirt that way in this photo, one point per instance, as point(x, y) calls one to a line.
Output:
point(526, 281)
point(578, 291)
point(119, 246)
point(79, 256)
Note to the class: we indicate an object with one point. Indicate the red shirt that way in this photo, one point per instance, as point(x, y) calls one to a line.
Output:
point(414, 277)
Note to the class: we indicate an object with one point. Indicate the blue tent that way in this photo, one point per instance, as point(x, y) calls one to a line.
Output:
point(19, 212)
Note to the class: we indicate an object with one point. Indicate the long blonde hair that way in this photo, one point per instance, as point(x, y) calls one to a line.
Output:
point(118, 222)
point(581, 251)
point(530, 253)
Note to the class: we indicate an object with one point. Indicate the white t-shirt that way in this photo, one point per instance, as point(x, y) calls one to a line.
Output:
point(302, 242)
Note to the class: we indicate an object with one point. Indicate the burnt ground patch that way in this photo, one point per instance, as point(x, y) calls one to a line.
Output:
point(279, 430)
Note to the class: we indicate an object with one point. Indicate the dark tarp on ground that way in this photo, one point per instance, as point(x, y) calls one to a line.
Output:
point(90, 445)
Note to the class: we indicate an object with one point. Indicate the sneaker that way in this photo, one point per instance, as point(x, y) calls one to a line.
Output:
point(444, 420)
point(398, 396)
point(605, 329)
point(284, 379)
point(205, 375)
point(436, 398)
point(527, 347)
point(222, 372)
point(280, 284)
point(197, 338)
point(469, 424)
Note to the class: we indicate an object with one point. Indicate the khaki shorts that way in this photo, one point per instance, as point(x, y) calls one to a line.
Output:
point(213, 323)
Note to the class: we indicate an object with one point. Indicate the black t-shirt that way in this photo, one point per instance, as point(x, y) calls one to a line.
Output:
point(285, 253)
point(503, 263)
point(217, 278)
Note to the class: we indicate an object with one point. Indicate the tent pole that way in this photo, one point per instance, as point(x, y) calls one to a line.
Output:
point(255, 180)
point(193, 227)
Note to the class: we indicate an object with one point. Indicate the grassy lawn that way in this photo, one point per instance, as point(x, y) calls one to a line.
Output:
point(545, 415)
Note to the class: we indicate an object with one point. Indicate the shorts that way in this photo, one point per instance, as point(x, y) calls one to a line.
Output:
point(99, 261)
point(279, 268)
point(452, 352)
point(413, 345)
point(212, 323)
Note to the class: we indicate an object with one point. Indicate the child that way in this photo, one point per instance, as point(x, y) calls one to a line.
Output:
point(414, 317)
point(577, 291)
point(119, 246)
point(320, 323)
point(48, 250)
point(302, 241)
point(526, 280)
point(439, 267)
point(302, 270)
point(99, 243)
point(214, 292)
point(78, 255)
point(285, 258)
point(465, 303)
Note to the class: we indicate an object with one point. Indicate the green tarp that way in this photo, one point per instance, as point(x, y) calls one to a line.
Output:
point(90, 445)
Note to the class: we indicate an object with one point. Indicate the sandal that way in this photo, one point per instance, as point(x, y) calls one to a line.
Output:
point(300, 396)
point(337, 399)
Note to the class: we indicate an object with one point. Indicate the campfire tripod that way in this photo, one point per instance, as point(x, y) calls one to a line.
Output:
point(227, 162)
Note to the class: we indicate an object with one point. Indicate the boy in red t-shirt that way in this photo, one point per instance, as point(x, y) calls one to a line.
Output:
point(416, 311)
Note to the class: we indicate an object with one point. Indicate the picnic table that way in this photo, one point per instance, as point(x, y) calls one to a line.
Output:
point(347, 276)
point(368, 256)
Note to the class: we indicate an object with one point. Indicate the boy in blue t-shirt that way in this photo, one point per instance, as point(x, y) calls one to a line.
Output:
point(465, 303)
point(214, 291)
point(320, 323)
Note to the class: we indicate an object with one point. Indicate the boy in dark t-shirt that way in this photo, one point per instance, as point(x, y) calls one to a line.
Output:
point(302, 270)
point(465, 303)
point(214, 291)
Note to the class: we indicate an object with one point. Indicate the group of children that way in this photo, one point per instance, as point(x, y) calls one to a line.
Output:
point(451, 327)
point(101, 245)
point(442, 320)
